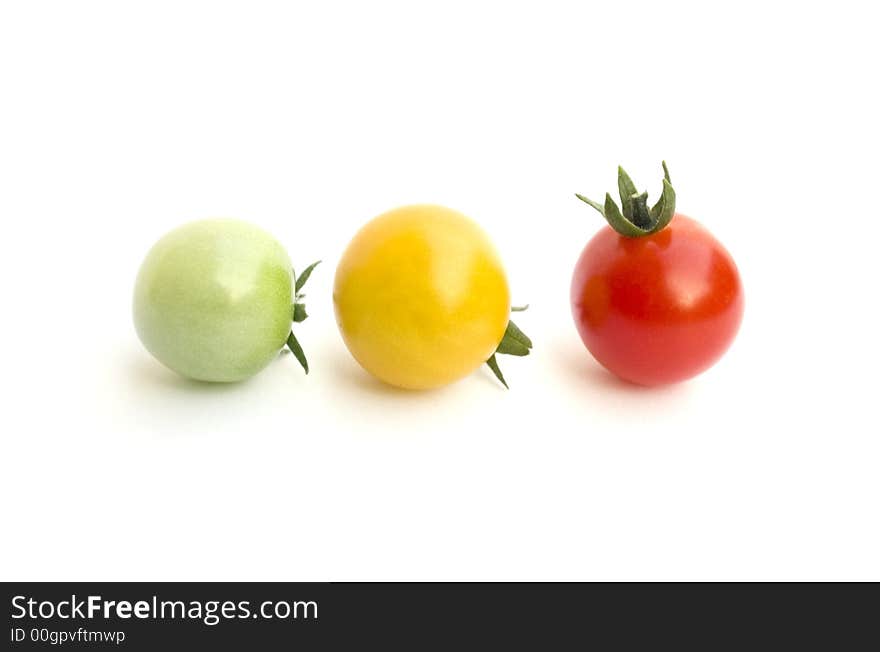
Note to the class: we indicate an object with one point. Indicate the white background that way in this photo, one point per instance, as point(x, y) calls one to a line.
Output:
point(120, 120)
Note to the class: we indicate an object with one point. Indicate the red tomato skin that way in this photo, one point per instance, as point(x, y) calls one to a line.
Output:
point(657, 309)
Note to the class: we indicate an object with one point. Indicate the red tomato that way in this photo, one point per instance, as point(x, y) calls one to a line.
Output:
point(659, 308)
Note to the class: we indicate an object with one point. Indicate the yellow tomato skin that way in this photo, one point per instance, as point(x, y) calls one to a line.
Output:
point(421, 297)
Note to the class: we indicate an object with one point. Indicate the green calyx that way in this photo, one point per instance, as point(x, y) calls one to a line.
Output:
point(514, 342)
point(299, 313)
point(636, 219)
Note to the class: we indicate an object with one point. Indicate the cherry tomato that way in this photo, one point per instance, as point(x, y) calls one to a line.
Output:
point(214, 300)
point(661, 303)
point(421, 297)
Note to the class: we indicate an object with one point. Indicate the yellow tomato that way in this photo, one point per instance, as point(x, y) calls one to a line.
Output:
point(421, 297)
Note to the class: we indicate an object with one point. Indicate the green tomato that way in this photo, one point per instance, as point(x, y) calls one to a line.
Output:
point(214, 300)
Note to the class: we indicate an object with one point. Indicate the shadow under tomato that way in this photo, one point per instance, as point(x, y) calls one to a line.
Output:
point(145, 398)
point(348, 374)
point(366, 407)
point(576, 361)
point(146, 372)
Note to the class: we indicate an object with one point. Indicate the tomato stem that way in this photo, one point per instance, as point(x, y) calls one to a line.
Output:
point(514, 342)
point(299, 313)
point(493, 365)
point(636, 220)
point(641, 216)
point(295, 348)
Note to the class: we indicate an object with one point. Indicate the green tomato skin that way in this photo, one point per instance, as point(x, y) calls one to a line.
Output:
point(213, 300)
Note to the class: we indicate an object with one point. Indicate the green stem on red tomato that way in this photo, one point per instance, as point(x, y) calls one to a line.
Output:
point(636, 220)
point(641, 216)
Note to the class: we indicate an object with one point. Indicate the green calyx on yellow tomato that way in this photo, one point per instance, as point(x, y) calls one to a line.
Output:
point(636, 220)
point(514, 342)
point(214, 300)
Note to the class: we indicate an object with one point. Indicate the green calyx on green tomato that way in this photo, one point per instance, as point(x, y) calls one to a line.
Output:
point(214, 300)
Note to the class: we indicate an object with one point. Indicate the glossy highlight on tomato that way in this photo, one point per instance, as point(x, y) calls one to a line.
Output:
point(421, 297)
point(659, 307)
